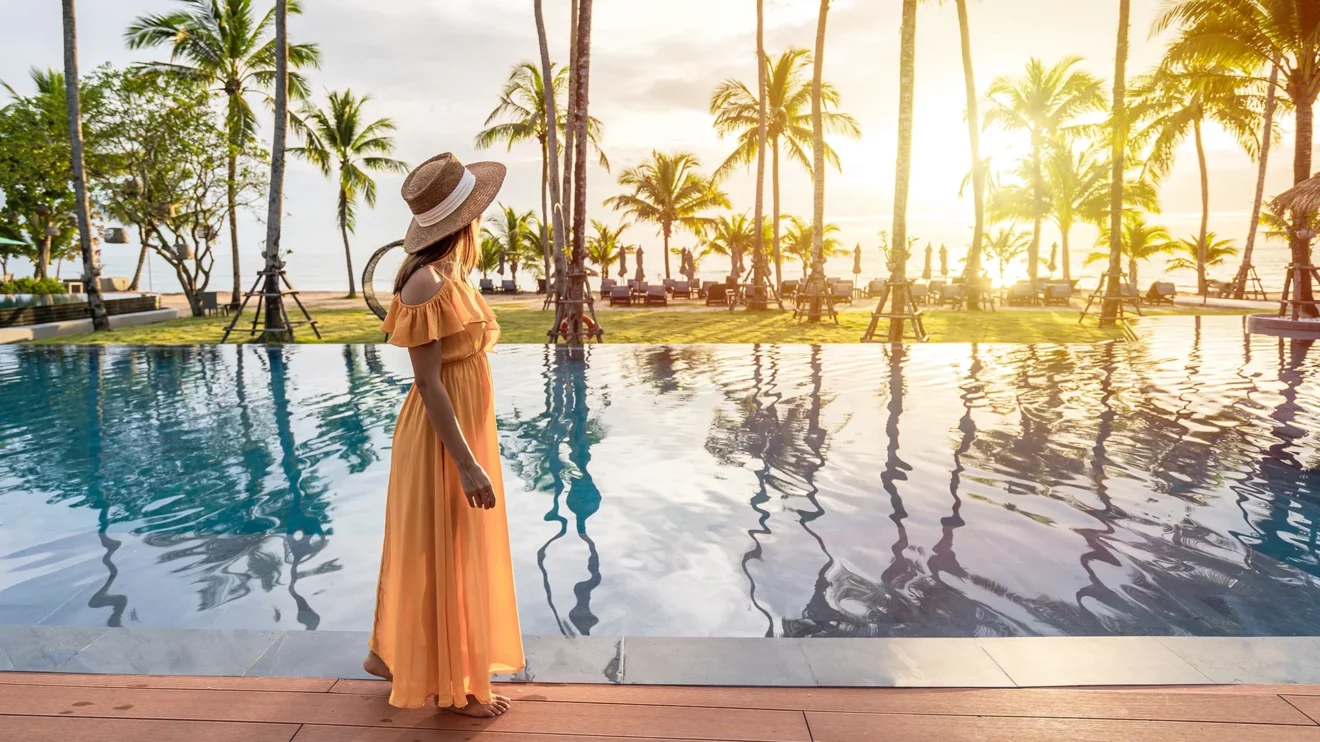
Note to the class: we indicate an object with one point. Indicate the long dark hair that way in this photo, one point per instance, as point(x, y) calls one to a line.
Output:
point(461, 246)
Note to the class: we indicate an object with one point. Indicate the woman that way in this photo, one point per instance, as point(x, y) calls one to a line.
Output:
point(446, 615)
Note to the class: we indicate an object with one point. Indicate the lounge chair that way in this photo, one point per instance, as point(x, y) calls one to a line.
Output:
point(606, 286)
point(509, 287)
point(954, 294)
point(542, 285)
point(877, 287)
point(486, 285)
point(717, 295)
point(211, 304)
point(681, 288)
point(1058, 294)
point(789, 289)
point(1128, 290)
point(1021, 294)
point(620, 295)
point(843, 293)
point(936, 293)
point(657, 296)
point(1162, 292)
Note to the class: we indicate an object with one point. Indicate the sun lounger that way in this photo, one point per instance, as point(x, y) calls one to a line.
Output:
point(486, 285)
point(717, 295)
point(606, 286)
point(681, 288)
point(789, 289)
point(1021, 294)
point(1058, 294)
point(657, 296)
point(954, 294)
point(1162, 292)
point(920, 292)
point(211, 304)
point(509, 287)
point(877, 286)
point(620, 295)
point(843, 293)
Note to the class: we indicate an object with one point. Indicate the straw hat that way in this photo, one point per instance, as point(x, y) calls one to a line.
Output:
point(445, 196)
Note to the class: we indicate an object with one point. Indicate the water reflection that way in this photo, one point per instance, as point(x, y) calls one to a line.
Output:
point(1168, 487)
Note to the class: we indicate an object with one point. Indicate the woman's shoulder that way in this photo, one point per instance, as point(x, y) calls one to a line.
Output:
point(422, 286)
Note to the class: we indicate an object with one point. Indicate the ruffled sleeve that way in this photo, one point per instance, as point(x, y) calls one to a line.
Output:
point(449, 312)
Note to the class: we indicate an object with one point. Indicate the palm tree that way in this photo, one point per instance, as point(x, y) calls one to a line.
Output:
point(1118, 143)
point(732, 235)
point(274, 327)
point(1044, 102)
point(907, 81)
point(606, 246)
point(1006, 245)
point(558, 227)
point(91, 269)
point(1175, 102)
point(1189, 254)
point(799, 242)
point(338, 138)
point(759, 276)
point(223, 44)
point(1262, 171)
point(488, 259)
point(978, 165)
point(788, 124)
point(1140, 241)
point(578, 292)
point(667, 190)
point(522, 109)
point(1254, 35)
point(817, 282)
point(515, 232)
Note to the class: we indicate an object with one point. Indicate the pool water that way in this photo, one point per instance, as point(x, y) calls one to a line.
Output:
point(1165, 487)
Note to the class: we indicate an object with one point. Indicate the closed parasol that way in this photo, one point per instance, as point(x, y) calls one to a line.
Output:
point(1054, 258)
point(944, 261)
point(623, 262)
point(928, 272)
point(503, 257)
point(641, 271)
point(857, 260)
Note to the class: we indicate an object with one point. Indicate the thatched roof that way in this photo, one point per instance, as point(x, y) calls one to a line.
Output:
point(1303, 198)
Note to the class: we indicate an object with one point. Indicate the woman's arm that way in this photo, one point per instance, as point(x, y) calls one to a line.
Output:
point(440, 410)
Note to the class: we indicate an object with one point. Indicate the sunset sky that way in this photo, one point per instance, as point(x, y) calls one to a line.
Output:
point(436, 68)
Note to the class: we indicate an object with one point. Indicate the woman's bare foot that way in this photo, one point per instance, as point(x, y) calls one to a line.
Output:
point(374, 665)
point(474, 708)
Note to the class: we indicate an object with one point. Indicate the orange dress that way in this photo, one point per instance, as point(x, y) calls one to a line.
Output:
point(446, 613)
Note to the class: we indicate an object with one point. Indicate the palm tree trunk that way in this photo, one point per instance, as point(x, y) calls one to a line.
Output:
point(666, 231)
point(817, 281)
point(1301, 248)
point(570, 145)
point(907, 77)
point(774, 218)
point(758, 261)
point(582, 68)
point(348, 252)
point(557, 223)
point(1267, 132)
point(1037, 206)
point(1201, 286)
point(91, 269)
point(232, 205)
point(973, 280)
point(545, 217)
point(275, 330)
point(1109, 312)
point(1067, 253)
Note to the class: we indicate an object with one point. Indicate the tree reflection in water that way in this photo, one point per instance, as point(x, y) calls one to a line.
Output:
point(551, 452)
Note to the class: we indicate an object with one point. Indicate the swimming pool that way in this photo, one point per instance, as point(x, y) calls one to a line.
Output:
point(1165, 487)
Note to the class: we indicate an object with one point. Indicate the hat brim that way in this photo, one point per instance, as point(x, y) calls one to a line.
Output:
point(490, 178)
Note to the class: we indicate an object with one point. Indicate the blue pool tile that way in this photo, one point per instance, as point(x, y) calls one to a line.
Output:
point(42, 648)
point(745, 662)
point(172, 652)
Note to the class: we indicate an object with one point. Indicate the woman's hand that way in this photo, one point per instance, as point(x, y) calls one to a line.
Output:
point(476, 485)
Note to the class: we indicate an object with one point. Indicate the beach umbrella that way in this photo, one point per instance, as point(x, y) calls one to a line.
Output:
point(738, 268)
point(944, 261)
point(623, 262)
point(927, 273)
point(641, 272)
point(503, 258)
point(1054, 258)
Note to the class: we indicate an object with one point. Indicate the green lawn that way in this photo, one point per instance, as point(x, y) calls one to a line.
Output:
point(641, 326)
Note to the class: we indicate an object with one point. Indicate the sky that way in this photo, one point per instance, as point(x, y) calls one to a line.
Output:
point(435, 67)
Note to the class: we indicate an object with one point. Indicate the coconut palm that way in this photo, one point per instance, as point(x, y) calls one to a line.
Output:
point(1006, 245)
point(1189, 255)
point(1268, 134)
point(978, 165)
point(816, 287)
point(275, 329)
point(223, 44)
point(605, 247)
point(91, 269)
point(521, 117)
point(731, 235)
point(337, 139)
point(1044, 102)
point(1140, 241)
point(1119, 130)
point(799, 242)
point(668, 191)
point(1175, 102)
point(788, 125)
point(514, 231)
point(1254, 35)
point(488, 258)
point(907, 74)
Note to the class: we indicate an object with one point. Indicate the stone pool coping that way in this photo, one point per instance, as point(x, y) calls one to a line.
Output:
point(875, 663)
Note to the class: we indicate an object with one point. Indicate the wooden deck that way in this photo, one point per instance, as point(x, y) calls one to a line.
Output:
point(70, 708)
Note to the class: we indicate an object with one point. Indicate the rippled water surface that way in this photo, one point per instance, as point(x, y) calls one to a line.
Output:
point(1166, 487)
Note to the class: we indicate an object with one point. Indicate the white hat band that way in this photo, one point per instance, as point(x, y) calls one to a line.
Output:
point(447, 207)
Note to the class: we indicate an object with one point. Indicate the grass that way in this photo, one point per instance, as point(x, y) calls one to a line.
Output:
point(666, 327)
